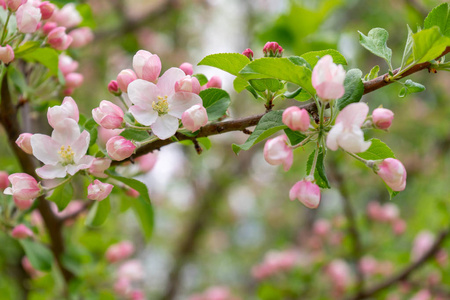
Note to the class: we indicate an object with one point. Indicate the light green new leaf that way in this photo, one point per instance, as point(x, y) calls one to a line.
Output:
point(313, 57)
point(27, 47)
point(62, 196)
point(239, 84)
point(410, 88)
point(40, 257)
point(354, 88)
point(377, 150)
point(216, 101)
point(46, 56)
point(229, 62)
point(98, 213)
point(375, 42)
point(373, 73)
point(202, 79)
point(295, 137)
point(439, 16)
point(408, 48)
point(428, 45)
point(135, 135)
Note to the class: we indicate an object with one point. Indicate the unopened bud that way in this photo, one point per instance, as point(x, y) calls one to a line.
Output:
point(249, 53)
point(272, 49)
point(113, 88)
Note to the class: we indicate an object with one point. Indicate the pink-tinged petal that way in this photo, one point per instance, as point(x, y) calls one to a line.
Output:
point(165, 126)
point(353, 141)
point(66, 132)
point(51, 171)
point(333, 135)
point(80, 146)
point(353, 114)
point(143, 93)
point(84, 163)
point(166, 83)
point(68, 109)
point(182, 101)
point(330, 90)
point(45, 149)
point(144, 116)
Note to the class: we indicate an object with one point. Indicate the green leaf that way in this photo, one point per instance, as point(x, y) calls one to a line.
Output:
point(201, 78)
point(62, 196)
point(292, 94)
point(91, 126)
point(300, 61)
point(439, 16)
point(372, 74)
point(40, 257)
point(392, 193)
point(205, 142)
point(27, 47)
point(45, 56)
point(428, 45)
point(319, 173)
point(313, 57)
point(98, 213)
point(239, 84)
point(268, 125)
point(280, 68)
point(354, 88)
point(229, 62)
point(135, 135)
point(375, 42)
point(408, 48)
point(410, 87)
point(303, 96)
point(377, 150)
point(216, 101)
point(264, 84)
point(86, 13)
point(295, 137)
point(17, 79)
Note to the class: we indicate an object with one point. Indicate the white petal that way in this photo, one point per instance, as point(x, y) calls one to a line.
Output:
point(51, 171)
point(333, 135)
point(84, 163)
point(45, 149)
point(80, 146)
point(143, 93)
point(165, 126)
point(353, 114)
point(353, 141)
point(8, 191)
point(166, 83)
point(145, 116)
point(182, 101)
point(66, 132)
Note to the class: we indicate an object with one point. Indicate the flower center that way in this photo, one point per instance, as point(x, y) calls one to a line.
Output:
point(66, 155)
point(162, 106)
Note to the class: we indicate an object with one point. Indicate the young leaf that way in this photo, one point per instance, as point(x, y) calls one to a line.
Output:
point(295, 137)
point(354, 88)
point(229, 62)
point(408, 48)
point(313, 57)
point(91, 126)
point(264, 84)
point(18, 79)
point(410, 87)
point(303, 96)
point(40, 257)
point(62, 196)
point(27, 47)
point(375, 42)
point(428, 45)
point(319, 173)
point(268, 125)
point(293, 94)
point(216, 101)
point(98, 213)
point(135, 135)
point(46, 56)
point(439, 16)
point(239, 84)
point(377, 150)
point(86, 13)
point(300, 61)
point(202, 79)
point(372, 74)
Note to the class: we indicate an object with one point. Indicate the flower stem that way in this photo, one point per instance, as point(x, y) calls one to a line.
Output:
point(302, 142)
point(150, 140)
point(313, 167)
point(5, 27)
point(366, 162)
point(123, 101)
point(143, 128)
point(44, 189)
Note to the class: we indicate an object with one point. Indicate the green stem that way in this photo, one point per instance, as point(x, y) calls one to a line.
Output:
point(143, 143)
point(5, 27)
point(124, 102)
point(44, 189)
point(313, 167)
point(143, 128)
point(302, 142)
point(366, 162)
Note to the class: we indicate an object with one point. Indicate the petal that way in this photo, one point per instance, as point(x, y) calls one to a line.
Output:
point(182, 101)
point(66, 132)
point(165, 126)
point(333, 135)
point(166, 83)
point(51, 171)
point(45, 148)
point(145, 116)
point(353, 141)
point(84, 163)
point(330, 90)
point(353, 114)
point(143, 93)
point(80, 146)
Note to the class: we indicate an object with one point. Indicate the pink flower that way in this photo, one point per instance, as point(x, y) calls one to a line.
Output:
point(64, 152)
point(306, 192)
point(119, 251)
point(105, 134)
point(29, 268)
point(278, 152)
point(28, 17)
point(187, 68)
point(99, 190)
point(119, 148)
point(382, 118)
point(108, 115)
point(122, 286)
point(21, 232)
point(4, 181)
point(321, 227)
point(194, 118)
point(24, 188)
point(188, 84)
point(6, 54)
point(68, 16)
point(67, 64)
point(131, 270)
point(146, 65)
point(339, 273)
point(422, 244)
point(24, 142)
point(272, 49)
point(158, 105)
point(58, 39)
point(68, 109)
point(399, 226)
point(422, 295)
point(49, 26)
point(13, 5)
point(347, 133)
point(296, 118)
point(113, 88)
point(47, 9)
point(124, 78)
point(81, 37)
point(99, 166)
point(390, 212)
point(147, 162)
point(132, 193)
point(249, 53)
point(375, 211)
point(368, 265)
point(393, 173)
point(74, 80)
point(214, 82)
point(328, 79)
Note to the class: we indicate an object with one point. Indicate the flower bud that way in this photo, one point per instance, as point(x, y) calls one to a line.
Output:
point(29, 268)
point(138, 295)
point(81, 37)
point(187, 68)
point(21, 232)
point(74, 80)
point(146, 65)
point(13, 5)
point(124, 78)
point(119, 148)
point(23, 204)
point(23, 141)
point(99, 166)
point(99, 190)
point(398, 226)
point(340, 274)
point(132, 270)
point(393, 173)
point(321, 227)
point(328, 79)
point(132, 193)
point(113, 88)
point(390, 212)
point(68, 109)
point(422, 244)
point(58, 39)
point(249, 53)
point(6, 54)
point(48, 27)
point(108, 115)
point(119, 251)
point(47, 9)
point(194, 118)
point(382, 118)
point(147, 162)
point(188, 84)
point(368, 265)
point(67, 64)
point(214, 82)
point(4, 181)
point(24, 188)
point(28, 17)
point(272, 49)
point(306, 192)
point(277, 152)
point(296, 118)
point(68, 16)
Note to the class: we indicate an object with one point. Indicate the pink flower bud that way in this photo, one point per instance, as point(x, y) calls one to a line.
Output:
point(399, 226)
point(187, 68)
point(214, 82)
point(119, 148)
point(132, 270)
point(122, 286)
point(67, 64)
point(146, 65)
point(23, 204)
point(382, 118)
point(137, 295)
point(194, 118)
point(390, 212)
point(6, 54)
point(119, 251)
point(23, 141)
point(328, 79)
point(422, 244)
point(68, 16)
point(321, 227)
point(124, 78)
point(74, 80)
point(306, 192)
point(24, 187)
point(13, 5)
point(99, 190)
point(422, 295)
point(28, 17)
point(147, 162)
point(277, 152)
point(47, 9)
point(105, 134)
point(58, 39)
point(108, 115)
point(296, 118)
point(272, 49)
point(132, 193)
point(393, 173)
point(113, 88)
point(368, 265)
point(81, 37)
point(99, 166)
point(249, 53)
point(48, 27)
point(339, 273)
point(29, 268)
point(68, 109)
point(188, 84)
point(375, 211)
point(21, 232)
point(4, 181)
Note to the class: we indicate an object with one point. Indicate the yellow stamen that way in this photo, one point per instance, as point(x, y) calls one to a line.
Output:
point(67, 154)
point(162, 106)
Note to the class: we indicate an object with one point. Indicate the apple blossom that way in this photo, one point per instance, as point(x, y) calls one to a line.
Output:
point(368, 265)
point(99, 190)
point(58, 39)
point(249, 53)
point(6, 54)
point(399, 226)
point(67, 64)
point(48, 27)
point(272, 49)
point(382, 118)
point(306, 192)
point(158, 105)
point(119, 251)
point(68, 109)
point(4, 181)
point(347, 133)
point(105, 134)
point(24, 142)
point(194, 118)
point(296, 118)
point(124, 78)
point(108, 115)
point(147, 162)
point(99, 166)
point(24, 188)
point(278, 152)
point(328, 79)
point(28, 17)
point(131, 270)
point(47, 9)
point(67, 16)
point(393, 173)
point(146, 65)
point(119, 148)
point(340, 274)
point(21, 232)
point(390, 212)
point(187, 68)
point(81, 37)
point(188, 84)
point(422, 244)
point(321, 227)
point(137, 295)
point(113, 88)
point(74, 80)
point(214, 82)
point(13, 5)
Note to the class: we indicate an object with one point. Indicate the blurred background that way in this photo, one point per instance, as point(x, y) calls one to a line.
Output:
point(218, 215)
